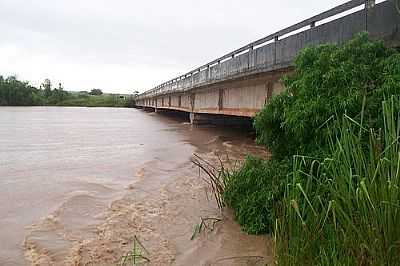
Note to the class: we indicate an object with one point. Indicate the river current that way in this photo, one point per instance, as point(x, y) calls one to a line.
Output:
point(78, 184)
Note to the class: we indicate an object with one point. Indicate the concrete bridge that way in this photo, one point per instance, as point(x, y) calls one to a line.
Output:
point(241, 82)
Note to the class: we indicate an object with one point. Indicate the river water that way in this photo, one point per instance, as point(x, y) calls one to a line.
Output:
point(78, 184)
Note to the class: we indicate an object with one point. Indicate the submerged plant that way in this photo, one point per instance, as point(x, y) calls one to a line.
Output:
point(215, 177)
point(207, 223)
point(138, 255)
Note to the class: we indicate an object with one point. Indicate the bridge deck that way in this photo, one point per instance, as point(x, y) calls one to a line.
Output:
point(240, 82)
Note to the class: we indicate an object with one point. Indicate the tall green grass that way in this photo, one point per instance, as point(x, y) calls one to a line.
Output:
point(345, 209)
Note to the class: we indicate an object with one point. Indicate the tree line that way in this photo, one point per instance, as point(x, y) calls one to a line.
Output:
point(17, 93)
point(14, 92)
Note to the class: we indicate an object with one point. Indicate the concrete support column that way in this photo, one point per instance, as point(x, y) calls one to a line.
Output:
point(269, 89)
point(369, 5)
point(252, 60)
point(276, 40)
point(220, 120)
point(220, 99)
point(149, 109)
point(198, 119)
point(192, 101)
point(160, 110)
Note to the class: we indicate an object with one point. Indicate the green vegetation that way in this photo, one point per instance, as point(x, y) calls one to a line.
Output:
point(336, 203)
point(344, 209)
point(329, 81)
point(16, 93)
point(94, 101)
point(96, 92)
point(252, 193)
point(138, 255)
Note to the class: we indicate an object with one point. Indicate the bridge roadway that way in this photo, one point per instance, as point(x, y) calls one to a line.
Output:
point(241, 82)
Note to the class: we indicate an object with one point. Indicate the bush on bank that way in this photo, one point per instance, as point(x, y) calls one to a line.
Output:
point(329, 82)
point(250, 196)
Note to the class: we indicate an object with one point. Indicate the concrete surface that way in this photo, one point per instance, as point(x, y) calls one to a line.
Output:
point(241, 82)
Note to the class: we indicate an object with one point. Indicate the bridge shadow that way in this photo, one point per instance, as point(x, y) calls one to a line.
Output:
point(237, 123)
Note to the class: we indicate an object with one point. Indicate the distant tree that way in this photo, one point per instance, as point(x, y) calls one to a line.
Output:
point(96, 92)
point(14, 92)
point(58, 95)
point(46, 86)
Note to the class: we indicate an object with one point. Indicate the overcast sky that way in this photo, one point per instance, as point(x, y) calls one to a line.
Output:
point(122, 45)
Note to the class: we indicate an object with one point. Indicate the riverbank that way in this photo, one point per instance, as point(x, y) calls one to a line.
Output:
point(14, 92)
point(106, 100)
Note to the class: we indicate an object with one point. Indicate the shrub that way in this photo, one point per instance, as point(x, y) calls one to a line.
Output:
point(329, 81)
point(252, 192)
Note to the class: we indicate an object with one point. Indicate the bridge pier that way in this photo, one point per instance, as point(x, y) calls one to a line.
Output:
point(198, 119)
point(162, 111)
point(149, 109)
point(219, 120)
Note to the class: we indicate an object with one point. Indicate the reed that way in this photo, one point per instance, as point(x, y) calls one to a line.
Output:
point(138, 255)
point(215, 177)
point(345, 209)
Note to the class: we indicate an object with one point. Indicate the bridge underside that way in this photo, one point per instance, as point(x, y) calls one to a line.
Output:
point(242, 97)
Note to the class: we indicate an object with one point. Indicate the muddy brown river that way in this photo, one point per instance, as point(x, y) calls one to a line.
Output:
point(78, 184)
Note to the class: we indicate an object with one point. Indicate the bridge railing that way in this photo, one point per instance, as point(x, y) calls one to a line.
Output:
point(277, 50)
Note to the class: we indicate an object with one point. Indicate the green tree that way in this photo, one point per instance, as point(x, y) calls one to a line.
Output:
point(14, 92)
point(96, 92)
point(46, 86)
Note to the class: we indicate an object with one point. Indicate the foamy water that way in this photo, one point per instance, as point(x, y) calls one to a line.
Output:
point(76, 184)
